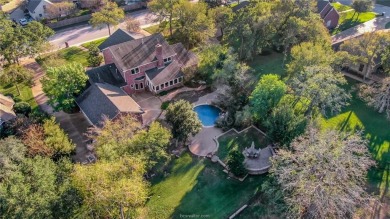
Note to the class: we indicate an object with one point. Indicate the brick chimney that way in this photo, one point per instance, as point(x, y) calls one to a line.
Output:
point(159, 56)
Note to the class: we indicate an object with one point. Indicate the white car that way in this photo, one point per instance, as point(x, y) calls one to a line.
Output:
point(23, 22)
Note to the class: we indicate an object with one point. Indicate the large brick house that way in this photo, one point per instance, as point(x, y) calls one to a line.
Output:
point(131, 66)
point(150, 63)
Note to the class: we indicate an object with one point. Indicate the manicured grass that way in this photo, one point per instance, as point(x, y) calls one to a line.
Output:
point(348, 20)
point(97, 42)
point(376, 128)
point(268, 64)
point(160, 28)
point(197, 186)
point(25, 93)
point(232, 140)
point(383, 2)
point(75, 54)
point(340, 7)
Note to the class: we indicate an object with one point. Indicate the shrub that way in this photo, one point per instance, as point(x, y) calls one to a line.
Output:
point(17, 99)
point(22, 108)
point(165, 105)
point(236, 163)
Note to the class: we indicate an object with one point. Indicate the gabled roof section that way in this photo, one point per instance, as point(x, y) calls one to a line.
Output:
point(321, 4)
point(6, 112)
point(185, 58)
point(33, 4)
point(106, 74)
point(104, 99)
point(170, 72)
point(6, 101)
point(138, 52)
point(240, 6)
point(119, 36)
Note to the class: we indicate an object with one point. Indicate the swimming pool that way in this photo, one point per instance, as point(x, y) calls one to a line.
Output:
point(207, 114)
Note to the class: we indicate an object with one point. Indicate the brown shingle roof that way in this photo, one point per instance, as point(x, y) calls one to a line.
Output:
point(185, 58)
point(170, 72)
point(6, 112)
point(104, 99)
point(137, 52)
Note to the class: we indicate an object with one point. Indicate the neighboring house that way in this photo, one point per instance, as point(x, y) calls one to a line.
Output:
point(149, 63)
point(328, 13)
point(6, 112)
point(37, 8)
point(106, 100)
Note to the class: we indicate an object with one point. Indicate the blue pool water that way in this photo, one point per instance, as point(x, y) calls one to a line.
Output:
point(207, 114)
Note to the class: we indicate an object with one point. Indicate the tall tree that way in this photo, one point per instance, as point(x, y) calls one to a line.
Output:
point(236, 163)
point(109, 14)
point(164, 9)
point(310, 54)
point(211, 58)
point(194, 26)
point(366, 50)
point(62, 85)
point(16, 74)
point(285, 122)
point(133, 25)
point(38, 189)
point(222, 16)
point(12, 154)
point(320, 87)
point(377, 95)
point(112, 189)
point(183, 120)
point(267, 94)
point(24, 41)
point(361, 6)
point(324, 176)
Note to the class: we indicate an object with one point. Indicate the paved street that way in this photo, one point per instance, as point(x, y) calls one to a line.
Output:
point(84, 33)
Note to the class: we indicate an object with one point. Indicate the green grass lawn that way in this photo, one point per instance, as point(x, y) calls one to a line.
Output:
point(197, 186)
point(97, 42)
point(71, 54)
point(233, 140)
point(25, 93)
point(268, 64)
point(340, 7)
point(348, 20)
point(159, 28)
point(383, 2)
point(377, 131)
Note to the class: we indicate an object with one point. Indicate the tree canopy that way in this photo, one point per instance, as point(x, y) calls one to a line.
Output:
point(108, 14)
point(324, 175)
point(183, 120)
point(62, 85)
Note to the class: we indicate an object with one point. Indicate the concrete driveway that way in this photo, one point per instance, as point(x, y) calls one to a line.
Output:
point(150, 104)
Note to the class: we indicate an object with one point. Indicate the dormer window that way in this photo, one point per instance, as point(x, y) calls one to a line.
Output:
point(167, 60)
point(134, 71)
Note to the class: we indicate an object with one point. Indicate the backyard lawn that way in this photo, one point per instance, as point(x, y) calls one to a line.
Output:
point(268, 64)
point(348, 20)
point(340, 7)
point(71, 54)
point(197, 186)
point(25, 93)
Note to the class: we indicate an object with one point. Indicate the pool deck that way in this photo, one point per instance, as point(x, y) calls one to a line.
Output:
point(203, 143)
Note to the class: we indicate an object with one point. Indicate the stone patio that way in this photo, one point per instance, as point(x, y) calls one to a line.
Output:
point(203, 143)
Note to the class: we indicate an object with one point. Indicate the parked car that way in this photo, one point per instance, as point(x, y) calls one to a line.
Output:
point(23, 22)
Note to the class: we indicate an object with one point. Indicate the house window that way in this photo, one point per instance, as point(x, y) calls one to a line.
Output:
point(44, 7)
point(153, 87)
point(361, 67)
point(157, 87)
point(166, 84)
point(132, 86)
point(136, 86)
point(141, 85)
point(171, 83)
point(40, 15)
point(162, 86)
point(147, 83)
point(176, 81)
point(180, 79)
point(134, 71)
point(169, 59)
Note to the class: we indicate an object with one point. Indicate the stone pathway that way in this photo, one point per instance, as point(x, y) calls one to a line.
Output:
point(172, 94)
